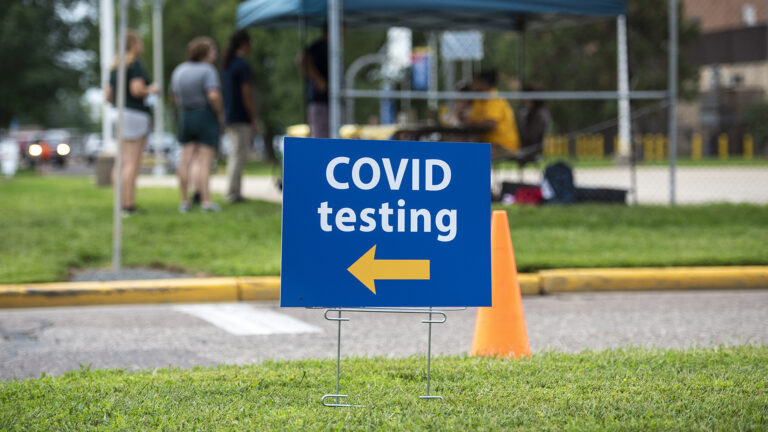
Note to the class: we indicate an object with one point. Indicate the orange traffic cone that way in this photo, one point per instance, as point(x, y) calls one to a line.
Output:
point(500, 329)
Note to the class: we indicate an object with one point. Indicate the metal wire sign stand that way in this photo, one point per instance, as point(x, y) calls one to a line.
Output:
point(442, 317)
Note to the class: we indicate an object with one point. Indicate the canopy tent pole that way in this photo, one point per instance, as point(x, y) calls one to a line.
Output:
point(117, 217)
point(625, 133)
point(434, 59)
point(521, 54)
point(672, 100)
point(449, 74)
point(334, 66)
point(107, 52)
point(157, 60)
point(303, 46)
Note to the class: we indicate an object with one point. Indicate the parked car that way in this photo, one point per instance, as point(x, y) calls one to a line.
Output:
point(93, 147)
point(51, 146)
point(169, 146)
point(168, 143)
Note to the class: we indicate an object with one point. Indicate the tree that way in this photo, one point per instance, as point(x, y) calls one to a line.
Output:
point(42, 63)
point(277, 80)
point(583, 57)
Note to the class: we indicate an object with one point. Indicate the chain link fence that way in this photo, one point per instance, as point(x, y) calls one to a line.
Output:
point(724, 164)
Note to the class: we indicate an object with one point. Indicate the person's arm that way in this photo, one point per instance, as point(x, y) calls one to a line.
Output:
point(140, 90)
point(248, 104)
point(214, 99)
point(475, 119)
point(535, 129)
point(246, 95)
point(483, 124)
point(213, 93)
point(486, 118)
point(138, 82)
point(310, 70)
point(108, 96)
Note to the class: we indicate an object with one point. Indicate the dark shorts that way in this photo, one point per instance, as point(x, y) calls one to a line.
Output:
point(199, 125)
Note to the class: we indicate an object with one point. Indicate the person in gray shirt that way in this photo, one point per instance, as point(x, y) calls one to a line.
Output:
point(196, 91)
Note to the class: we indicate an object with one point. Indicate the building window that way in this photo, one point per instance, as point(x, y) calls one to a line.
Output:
point(748, 15)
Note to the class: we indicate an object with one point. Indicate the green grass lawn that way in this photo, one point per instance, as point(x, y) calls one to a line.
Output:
point(252, 167)
point(49, 226)
point(630, 389)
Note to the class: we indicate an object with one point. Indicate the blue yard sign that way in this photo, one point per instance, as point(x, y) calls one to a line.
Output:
point(385, 224)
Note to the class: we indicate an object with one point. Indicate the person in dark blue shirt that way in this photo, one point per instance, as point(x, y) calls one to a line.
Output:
point(241, 122)
point(314, 63)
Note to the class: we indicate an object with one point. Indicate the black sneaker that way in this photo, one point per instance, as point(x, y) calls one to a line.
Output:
point(196, 198)
point(133, 209)
point(128, 211)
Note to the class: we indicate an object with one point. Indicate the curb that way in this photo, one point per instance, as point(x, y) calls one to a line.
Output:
point(653, 279)
point(261, 288)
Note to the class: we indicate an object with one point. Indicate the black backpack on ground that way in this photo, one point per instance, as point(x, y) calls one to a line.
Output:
point(560, 178)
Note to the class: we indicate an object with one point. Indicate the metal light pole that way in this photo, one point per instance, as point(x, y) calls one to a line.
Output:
point(625, 134)
point(334, 66)
point(672, 101)
point(121, 84)
point(157, 60)
point(107, 53)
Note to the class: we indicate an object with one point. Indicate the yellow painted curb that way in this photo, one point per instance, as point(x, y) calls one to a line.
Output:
point(649, 279)
point(119, 292)
point(268, 287)
point(258, 288)
point(530, 283)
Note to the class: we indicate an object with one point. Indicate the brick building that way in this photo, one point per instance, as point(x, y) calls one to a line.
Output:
point(732, 57)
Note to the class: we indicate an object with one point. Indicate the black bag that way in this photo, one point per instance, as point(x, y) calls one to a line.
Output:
point(559, 177)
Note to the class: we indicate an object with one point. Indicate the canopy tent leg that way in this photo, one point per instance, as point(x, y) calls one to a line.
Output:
point(625, 133)
point(117, 217)
point(334, 66)
point(303, 48)
point(434, 56)
point(672, 100)
point(107, 52)
point(157, 59)
point(521, 58)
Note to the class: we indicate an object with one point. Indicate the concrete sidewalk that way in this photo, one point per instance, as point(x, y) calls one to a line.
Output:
point(253, 187)
point(231, 289)
point(695, 185)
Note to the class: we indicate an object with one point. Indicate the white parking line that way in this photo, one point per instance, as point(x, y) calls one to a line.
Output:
point(243, 319)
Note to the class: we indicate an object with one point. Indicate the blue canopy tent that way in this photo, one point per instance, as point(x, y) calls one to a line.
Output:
point(517, 15)
point(423, 14)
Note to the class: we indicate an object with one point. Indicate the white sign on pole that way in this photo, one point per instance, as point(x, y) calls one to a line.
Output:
point(398, 56)
point(462, 45)
point(9, 157)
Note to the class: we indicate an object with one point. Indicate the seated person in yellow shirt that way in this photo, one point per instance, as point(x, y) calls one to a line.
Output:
point(495, 116)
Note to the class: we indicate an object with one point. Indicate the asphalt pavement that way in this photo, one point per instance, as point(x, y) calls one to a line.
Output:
point(56, 340)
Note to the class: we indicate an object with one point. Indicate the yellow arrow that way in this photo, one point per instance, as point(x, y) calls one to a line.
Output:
point(367, 269)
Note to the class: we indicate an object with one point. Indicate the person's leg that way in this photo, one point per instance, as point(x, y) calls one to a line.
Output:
point(203, 159)
point(184, 170)
point(321, 121)
point(239, 138)
point(317, 116)
point(131, 162)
